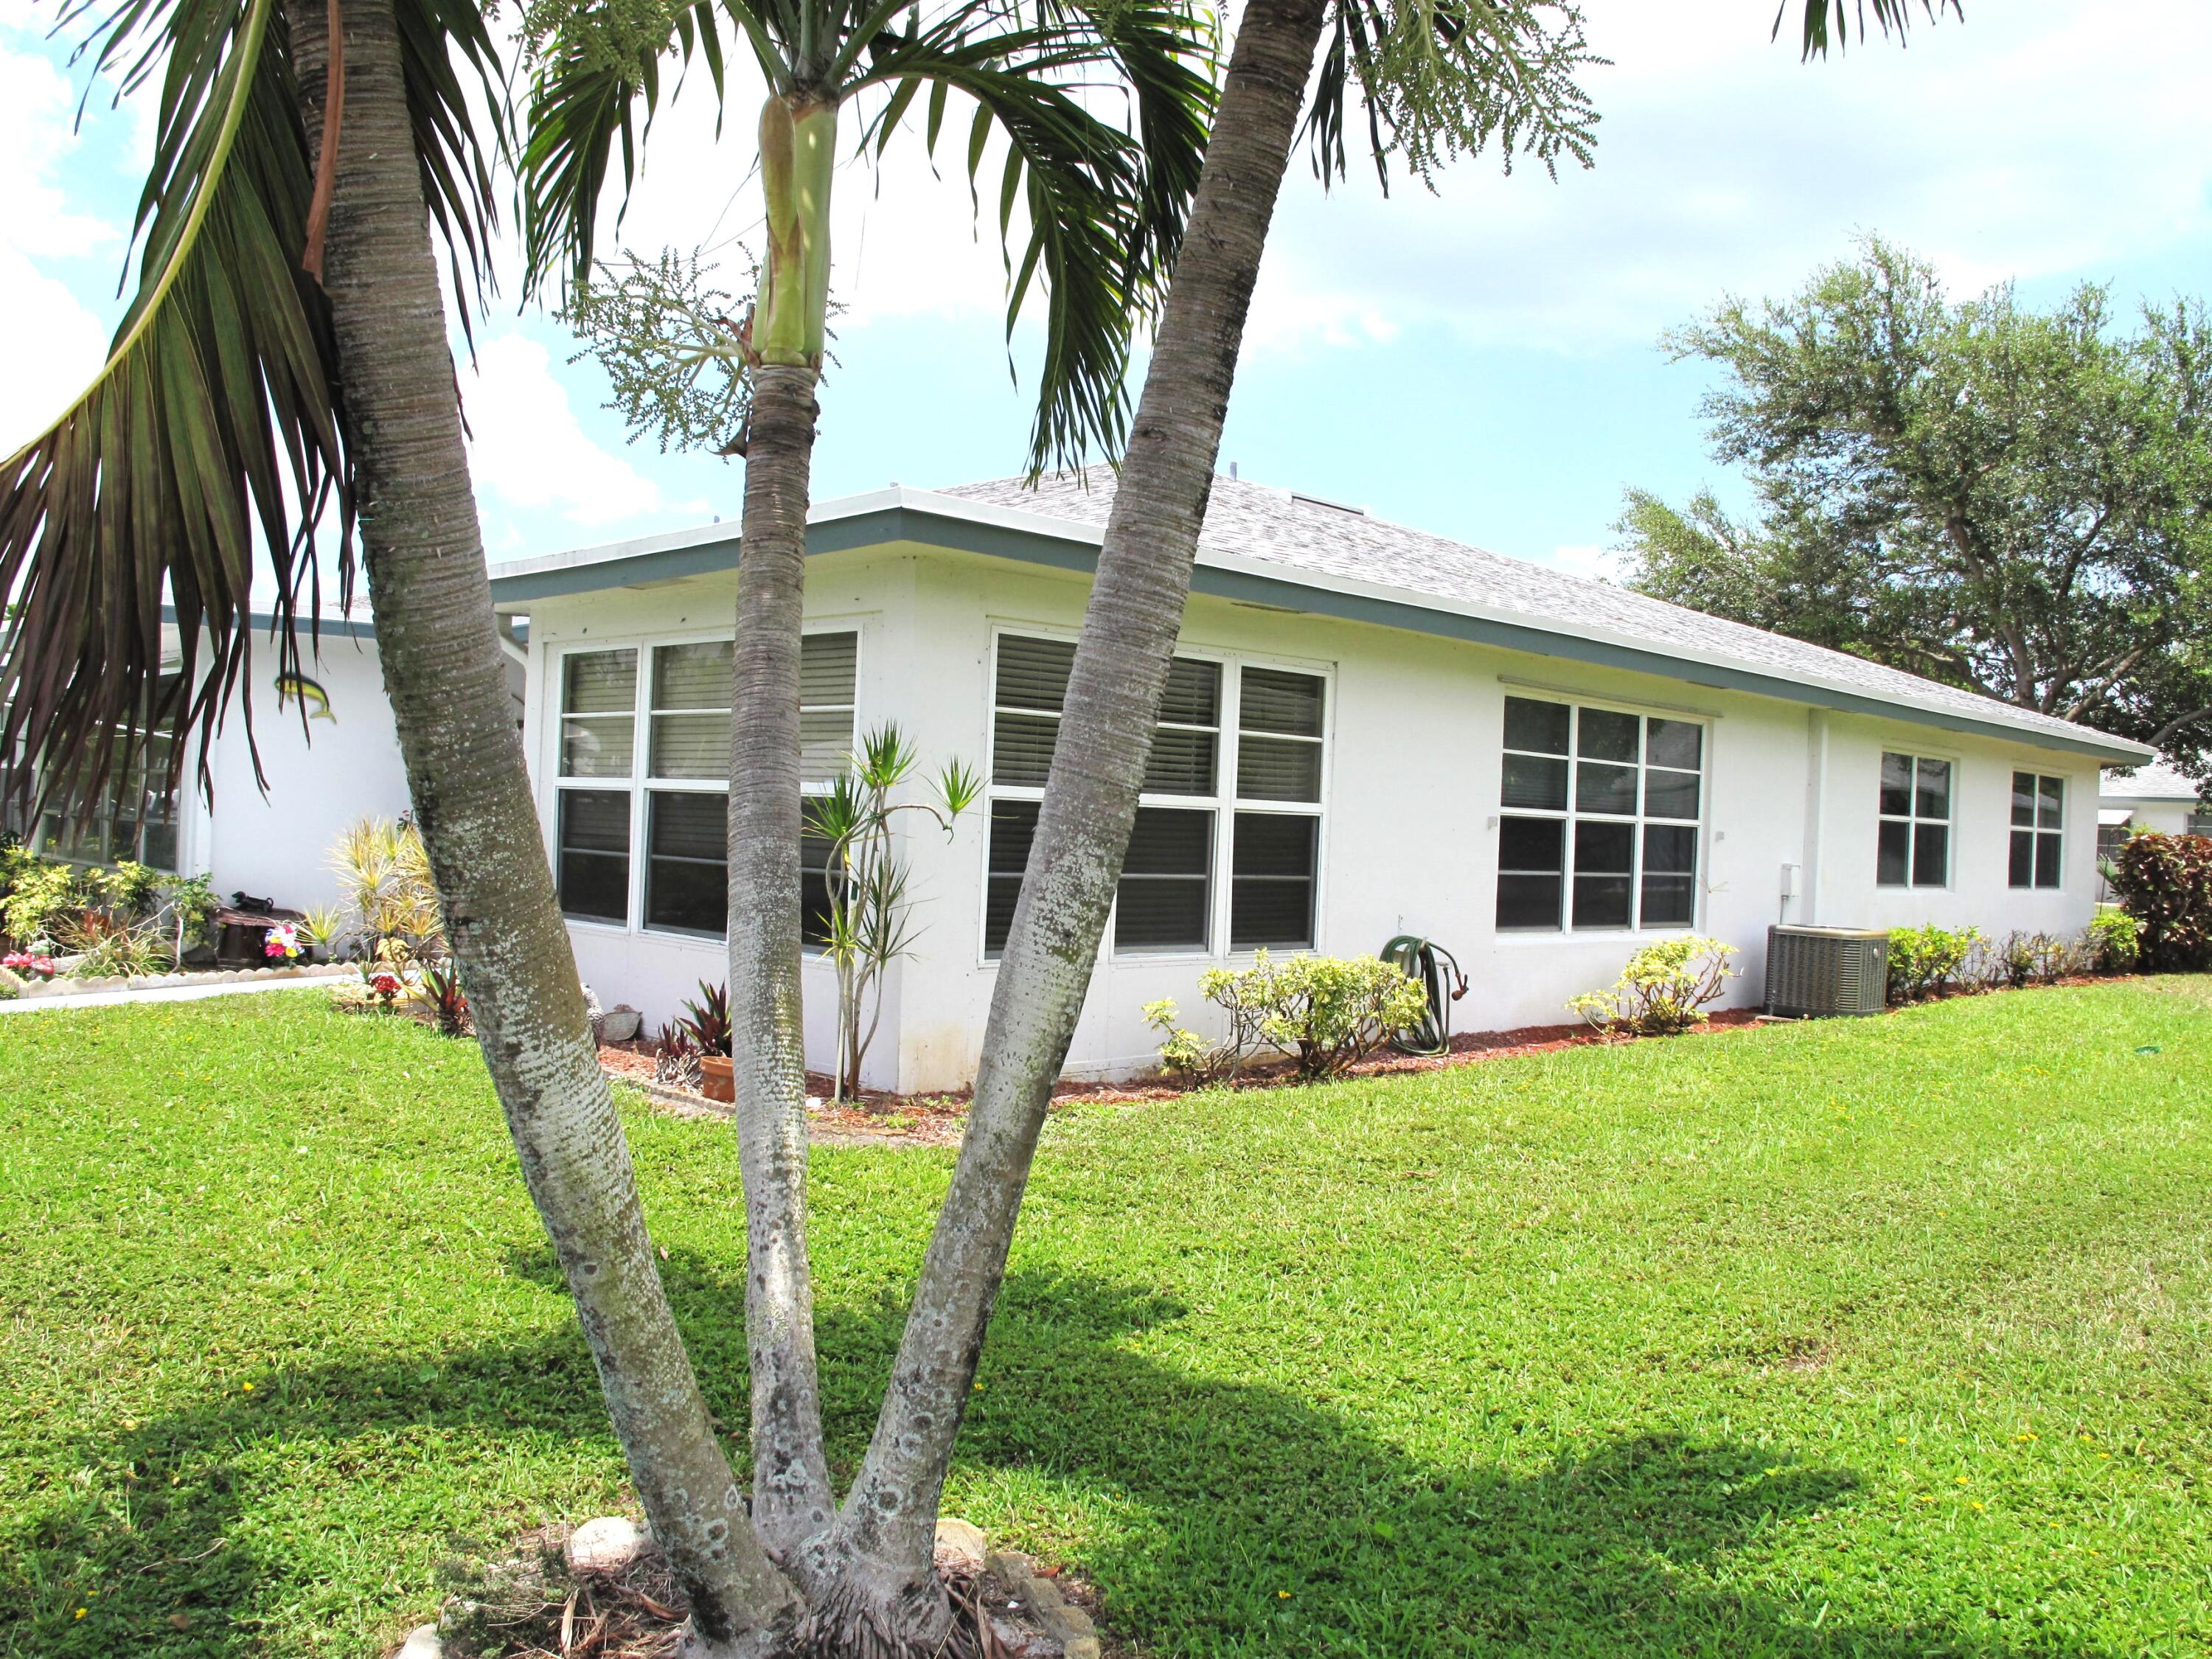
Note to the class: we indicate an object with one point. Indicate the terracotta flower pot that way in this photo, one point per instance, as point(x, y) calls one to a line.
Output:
point(716, 1081)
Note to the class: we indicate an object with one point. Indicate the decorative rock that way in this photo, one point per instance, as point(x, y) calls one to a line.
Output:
point(619, 1023)
point(606, 1548)
point(962, 1544)
point(422, 1642)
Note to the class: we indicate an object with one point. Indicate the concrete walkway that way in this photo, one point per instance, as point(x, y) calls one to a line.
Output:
point(162, 994)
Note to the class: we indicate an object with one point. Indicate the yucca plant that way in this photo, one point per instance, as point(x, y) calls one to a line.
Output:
point(868, 919)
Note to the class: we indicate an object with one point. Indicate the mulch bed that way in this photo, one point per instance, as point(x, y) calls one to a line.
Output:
point(936, 1119)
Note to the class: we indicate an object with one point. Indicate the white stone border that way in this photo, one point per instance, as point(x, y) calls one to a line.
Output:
point(166, 987)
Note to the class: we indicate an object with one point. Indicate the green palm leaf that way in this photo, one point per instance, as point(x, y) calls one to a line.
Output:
point(1823, 18)
point(211, 445)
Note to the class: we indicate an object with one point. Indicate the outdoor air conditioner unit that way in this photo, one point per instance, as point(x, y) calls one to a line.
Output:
point(1813, 971)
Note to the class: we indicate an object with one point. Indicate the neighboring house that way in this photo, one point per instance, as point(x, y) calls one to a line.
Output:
point(2152, 797)
point(342, 766)
point(1368, 730)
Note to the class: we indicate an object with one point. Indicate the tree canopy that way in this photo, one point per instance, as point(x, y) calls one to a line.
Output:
point(2011, 500)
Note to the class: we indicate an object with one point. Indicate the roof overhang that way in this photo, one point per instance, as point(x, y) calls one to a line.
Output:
point(881, 517)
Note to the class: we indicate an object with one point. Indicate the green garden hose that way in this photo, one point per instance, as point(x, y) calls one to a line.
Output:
point(1438, 972)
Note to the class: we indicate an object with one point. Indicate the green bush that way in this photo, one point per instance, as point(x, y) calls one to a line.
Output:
point(1326, 1013)
point(2115, 942)
point(2165, 881)
point(1926, 962)
point(1664, 989)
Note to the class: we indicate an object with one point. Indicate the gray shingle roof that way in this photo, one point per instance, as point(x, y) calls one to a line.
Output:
point(1249, 521)
point(2158, 780)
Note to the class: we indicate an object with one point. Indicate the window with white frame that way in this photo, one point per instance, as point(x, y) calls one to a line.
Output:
point(1913, 848)
point(134, 814)
point(2039, 813)
point(1602, 819)
point(1230, 807)
point(641, 797)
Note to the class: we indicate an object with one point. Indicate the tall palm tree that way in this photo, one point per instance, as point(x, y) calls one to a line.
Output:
point(1436, 78)
point(286, 351)
point(1104, 201)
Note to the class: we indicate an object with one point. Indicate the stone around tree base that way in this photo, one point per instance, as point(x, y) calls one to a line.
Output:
point(1041, 1603)
point(606, 1548)
point(422, 1642)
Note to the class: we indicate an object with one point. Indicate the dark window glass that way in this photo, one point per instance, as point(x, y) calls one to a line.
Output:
point(2046, 860)
point(1270, 891)
point(1526, 845)
point(1668, 900)
point(1670, 849)
point(1932, 795)
point(593, 838)
point(686, 882)
point(1896, 786)
point(1608, 735)
point(1021, 748)
point(2051, 803)
point(1600, 787)
point(1182, 762)
point(2019, 868)
point(2023, 799)
point(1675, 743)
point(1605, 856)
point(1893, 858)
point(1535, 781)
point(1931, 854)
point(1273, 700)
point(1013, 827)
point(1541, 727)
point(1670, 794)
point(1193, 696)
point(1162, 901)
point(1526, 903)
point(814, 888)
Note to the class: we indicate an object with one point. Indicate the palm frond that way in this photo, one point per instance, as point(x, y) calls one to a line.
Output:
point(215, 416)
point(1823, 17)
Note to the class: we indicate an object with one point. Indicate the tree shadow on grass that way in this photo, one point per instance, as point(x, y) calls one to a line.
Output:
point(1218, 1497)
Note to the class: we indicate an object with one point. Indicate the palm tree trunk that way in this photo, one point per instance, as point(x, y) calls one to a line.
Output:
point(792, 1499)
point(885, 1533)
point(441, 657)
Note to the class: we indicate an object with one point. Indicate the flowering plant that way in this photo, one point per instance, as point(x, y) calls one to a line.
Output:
point(282, 943)
point(384, 986)
point(22, 962)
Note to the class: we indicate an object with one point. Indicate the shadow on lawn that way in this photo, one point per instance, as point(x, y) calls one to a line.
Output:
point(1223, 1495)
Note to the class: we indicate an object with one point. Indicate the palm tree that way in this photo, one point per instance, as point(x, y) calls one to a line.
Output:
point(286, 350)
point(1105, 201)
point(1436, 78)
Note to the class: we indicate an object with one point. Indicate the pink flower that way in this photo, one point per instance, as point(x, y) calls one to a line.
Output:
point(22, 962)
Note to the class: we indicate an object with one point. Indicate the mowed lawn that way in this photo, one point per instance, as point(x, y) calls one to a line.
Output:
point(1887, 1338)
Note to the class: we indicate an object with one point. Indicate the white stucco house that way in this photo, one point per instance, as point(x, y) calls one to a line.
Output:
point(342, 766)
point(2155, 796)
point(1370, 730)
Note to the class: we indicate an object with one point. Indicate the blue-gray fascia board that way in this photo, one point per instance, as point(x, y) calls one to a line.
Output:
point(343, 627)
point(907, 524)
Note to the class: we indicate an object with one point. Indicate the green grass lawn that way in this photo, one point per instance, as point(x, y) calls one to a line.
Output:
point(1883, 1339)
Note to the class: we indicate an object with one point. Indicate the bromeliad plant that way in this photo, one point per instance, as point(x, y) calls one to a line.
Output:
point(866, 922)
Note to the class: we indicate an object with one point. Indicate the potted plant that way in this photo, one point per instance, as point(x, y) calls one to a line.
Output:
point(319, 928)
point(707, 1023)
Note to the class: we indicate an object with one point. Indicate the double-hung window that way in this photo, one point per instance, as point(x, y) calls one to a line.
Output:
point(1231, 802)
point(1913, 848)
point(644, 767)
point(2039, 813)
point(1601, 823)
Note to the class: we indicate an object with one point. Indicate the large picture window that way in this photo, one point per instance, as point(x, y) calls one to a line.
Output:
point(2038, 814)
point(1913, 848)
point(1226, 844)
point(1600, 829)
point(644, 765)
point(134, 815)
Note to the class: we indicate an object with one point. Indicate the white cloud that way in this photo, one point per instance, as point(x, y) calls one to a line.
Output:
point(2034, 139)
point(55, 342)
point(1584, 559)
point(530, 451)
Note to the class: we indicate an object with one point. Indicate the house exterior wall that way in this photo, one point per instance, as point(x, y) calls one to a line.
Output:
point(1412, 804)
point(2165, 816)
point(335, 772)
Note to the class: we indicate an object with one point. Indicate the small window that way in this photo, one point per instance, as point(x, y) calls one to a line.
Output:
point(1014, 828)
point(2039, 812)
point(1032, 685)
point(691, 687)
point(599, 714)
point(593, 838)
point(829, 674)
point(1187, 736)
point(1913, 848)
point(686, 879)
point(1271, 893)
point(1165, 895)
point(1602, 819)
point(1279, 736)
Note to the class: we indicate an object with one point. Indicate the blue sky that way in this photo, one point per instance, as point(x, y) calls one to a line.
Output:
point(1482, 362)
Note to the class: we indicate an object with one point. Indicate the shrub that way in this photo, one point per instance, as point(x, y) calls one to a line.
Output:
point(386, 873)
point(2115, 942)
point(1327, 1013)
point(2165, 881)
point(41, 897)
point(1663, 990)
point(1926, 962)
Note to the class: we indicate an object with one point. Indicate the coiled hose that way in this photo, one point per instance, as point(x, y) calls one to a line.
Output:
point(1438, 972)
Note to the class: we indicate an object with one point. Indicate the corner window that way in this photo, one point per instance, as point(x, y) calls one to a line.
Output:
point(645, 757)
point(1600, 825)
point(2039, 811)
point(1914, 844)
point(1230, 806)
